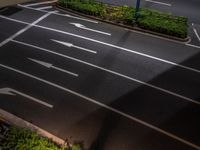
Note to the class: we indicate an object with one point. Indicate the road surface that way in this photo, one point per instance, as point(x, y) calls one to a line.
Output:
point(111, 88)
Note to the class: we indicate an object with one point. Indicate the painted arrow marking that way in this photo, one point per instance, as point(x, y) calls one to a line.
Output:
point(48, 65)
point(12, 92)
point(78, 25)
point(72, 45)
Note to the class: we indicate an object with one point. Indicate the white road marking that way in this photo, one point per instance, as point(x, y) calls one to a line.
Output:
point(48, 65)
point(106, 107)
point(78, 25)
point(74, 17)
point(196, 33)
point(43, 8)
point(122, 48)
point(14, 20)
point(40, 3)
point(6, 91)
point(24, 29)
point(72, 45)
point(112, 72)
point(65, 15)
point(157, 2)
point(191, 45)
point(9, 91)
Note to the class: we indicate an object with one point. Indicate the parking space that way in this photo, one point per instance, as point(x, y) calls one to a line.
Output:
point(80, 82)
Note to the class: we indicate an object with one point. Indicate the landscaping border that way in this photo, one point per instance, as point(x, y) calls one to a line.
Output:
point(123, 26)
point(12, 119)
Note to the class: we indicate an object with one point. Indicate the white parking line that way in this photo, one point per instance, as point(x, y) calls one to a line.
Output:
point(191, 45)
point(118, 47)
point(106, 107)
point(72, 45)
point(24, 29)
point(112, 72)
point(65, 15)
point(43, 8)
point(14, 20)
point(40, 3)
point(157, 2)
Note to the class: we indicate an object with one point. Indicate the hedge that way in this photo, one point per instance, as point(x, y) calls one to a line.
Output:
point(149, 19)
point(23, 139)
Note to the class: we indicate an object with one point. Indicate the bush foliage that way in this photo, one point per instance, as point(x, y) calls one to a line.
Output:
point(22, 139)
point(149, 19)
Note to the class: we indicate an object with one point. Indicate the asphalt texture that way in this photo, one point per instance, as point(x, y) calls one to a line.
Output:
point(134, 91)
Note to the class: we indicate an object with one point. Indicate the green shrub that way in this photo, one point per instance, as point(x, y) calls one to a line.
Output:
point(128, 14)
point(22, 139)
point(89, 7)
point(163, 23)
point(76, 147)
point(149, 19)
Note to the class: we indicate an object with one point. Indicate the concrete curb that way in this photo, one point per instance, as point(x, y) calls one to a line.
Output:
point(167, 37)
point(12, 119)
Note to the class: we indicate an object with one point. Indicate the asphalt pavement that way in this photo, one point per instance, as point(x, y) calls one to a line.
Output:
point(108, 87)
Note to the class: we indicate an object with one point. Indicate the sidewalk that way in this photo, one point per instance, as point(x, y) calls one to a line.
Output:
point(4, 3)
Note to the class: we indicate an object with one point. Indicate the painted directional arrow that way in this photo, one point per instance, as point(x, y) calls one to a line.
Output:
point(72, 45)
point(48, 65)
point(12, 92)
point(78, 25)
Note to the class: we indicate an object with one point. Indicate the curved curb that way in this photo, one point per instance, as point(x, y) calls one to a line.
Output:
point(12, 119)
point(168, 37)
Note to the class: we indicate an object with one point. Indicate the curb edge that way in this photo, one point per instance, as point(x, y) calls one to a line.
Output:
point(12, 119)
point(167, 37)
